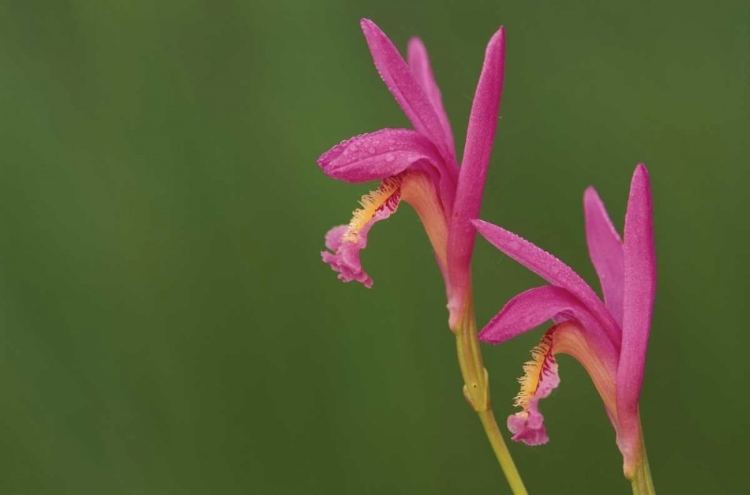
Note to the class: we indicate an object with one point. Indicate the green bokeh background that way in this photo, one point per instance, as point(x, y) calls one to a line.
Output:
point(167, 327)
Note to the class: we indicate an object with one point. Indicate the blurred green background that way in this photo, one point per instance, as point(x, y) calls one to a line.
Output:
point(167, 326)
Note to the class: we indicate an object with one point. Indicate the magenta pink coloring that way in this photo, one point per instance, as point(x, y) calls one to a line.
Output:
point(608, 337)
point(453, 196)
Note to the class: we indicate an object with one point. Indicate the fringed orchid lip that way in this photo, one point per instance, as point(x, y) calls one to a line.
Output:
point(541, 378)
point(374, 206)
point(346, 241)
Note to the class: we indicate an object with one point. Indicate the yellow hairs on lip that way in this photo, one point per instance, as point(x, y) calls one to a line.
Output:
point(371, 203)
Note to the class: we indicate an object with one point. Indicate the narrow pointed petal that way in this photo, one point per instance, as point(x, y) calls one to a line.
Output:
point(419, 63)
point(405, 88)
point(552, 270)
point(533, 307)
point(479, 138)
point(638, 304)
point(605, 249)
point(377, 155)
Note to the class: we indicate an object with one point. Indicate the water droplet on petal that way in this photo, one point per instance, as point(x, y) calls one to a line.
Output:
point(389, 158)
point(371, 150)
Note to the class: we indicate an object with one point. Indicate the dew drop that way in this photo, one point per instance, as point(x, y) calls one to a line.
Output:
point(389, 158)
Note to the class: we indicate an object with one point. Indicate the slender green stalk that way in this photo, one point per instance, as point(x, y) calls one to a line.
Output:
point(501, 451)
point(642, 483)
point(477, 392)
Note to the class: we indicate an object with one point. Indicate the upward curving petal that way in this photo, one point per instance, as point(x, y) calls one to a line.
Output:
point(533, 307)
point(552, 270)
point(605, 250)
point(479, 138)
point(638, 304)
point(407, 91)
point(386, 153)
point(419, 63)
point(377, 155)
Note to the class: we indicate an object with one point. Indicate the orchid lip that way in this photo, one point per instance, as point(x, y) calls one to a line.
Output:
point(539, 380)
point(346, 241)
point(386, 197)
point(416, 188)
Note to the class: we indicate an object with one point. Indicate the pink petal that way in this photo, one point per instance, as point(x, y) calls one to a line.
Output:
point(541, 377)
point(377, 155)
point(527, 426)
point(638, 304)
point(552, 270)
point(406, 89)
point(605, 249)
point(344, 257)
point(386, 153)
point(533, 307)
point(479, 138)
point(419, 63)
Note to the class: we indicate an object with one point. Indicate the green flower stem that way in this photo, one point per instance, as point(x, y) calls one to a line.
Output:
point(477, 393)
point(642, 483)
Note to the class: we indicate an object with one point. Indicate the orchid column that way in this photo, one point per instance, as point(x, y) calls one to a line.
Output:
point(420, 167)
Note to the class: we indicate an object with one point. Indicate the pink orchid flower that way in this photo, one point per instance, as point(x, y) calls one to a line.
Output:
point(419, 166)
point(608, 338)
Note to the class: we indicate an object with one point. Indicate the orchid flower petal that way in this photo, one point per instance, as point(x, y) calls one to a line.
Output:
point(541, 377)
point(419, 63)
point(552, 270)
point(540, 380)
point(479, 138)
point(605, 250)
point(377, 155)
point(407, 91)
point(345, 257)
point(345, 242)
point(533, 307)
point(386, 153)
point(638, 304)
